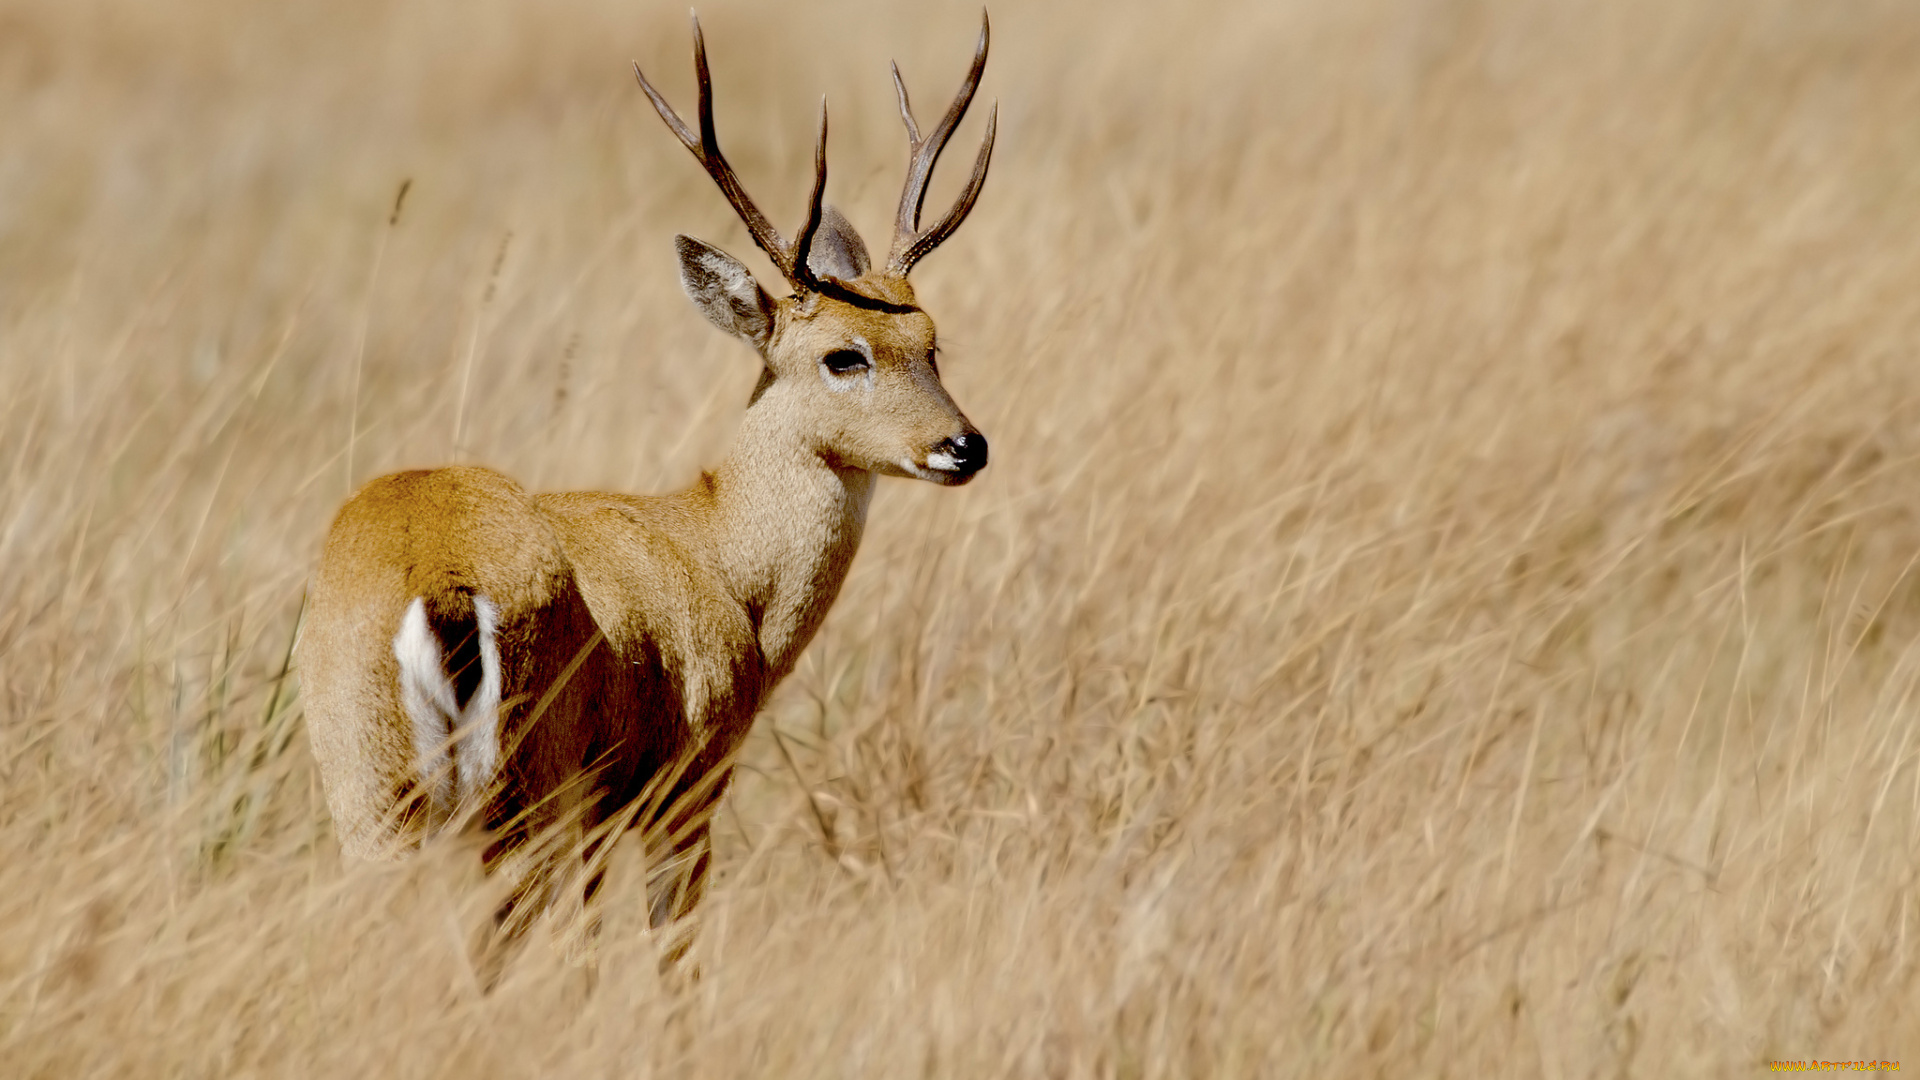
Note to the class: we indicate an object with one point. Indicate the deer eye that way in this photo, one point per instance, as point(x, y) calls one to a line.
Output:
point(844, 361)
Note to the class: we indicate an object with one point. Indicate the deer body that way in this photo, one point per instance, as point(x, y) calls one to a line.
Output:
point(651, 629)
point(541, 666)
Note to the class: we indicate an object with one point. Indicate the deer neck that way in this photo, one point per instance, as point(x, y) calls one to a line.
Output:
point(788, 524)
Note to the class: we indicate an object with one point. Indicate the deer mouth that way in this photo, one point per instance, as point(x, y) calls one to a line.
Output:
point(945, 476)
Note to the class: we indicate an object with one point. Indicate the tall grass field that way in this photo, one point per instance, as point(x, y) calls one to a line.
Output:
point(1445, 600)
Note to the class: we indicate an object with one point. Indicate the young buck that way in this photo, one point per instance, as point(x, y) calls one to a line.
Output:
point(569, 665)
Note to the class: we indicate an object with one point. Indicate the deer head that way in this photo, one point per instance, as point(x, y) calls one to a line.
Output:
point(850, 357)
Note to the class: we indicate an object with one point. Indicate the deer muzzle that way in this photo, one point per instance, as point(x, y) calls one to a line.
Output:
point(956, 459)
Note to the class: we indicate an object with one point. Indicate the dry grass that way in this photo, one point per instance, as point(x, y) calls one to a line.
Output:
point(1444, 600)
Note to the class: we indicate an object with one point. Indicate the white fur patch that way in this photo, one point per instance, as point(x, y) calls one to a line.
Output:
point(428, 698)
point(732, 277)
point(478, 749)
point(916, 471)
point(439, 725)
point(943, 461)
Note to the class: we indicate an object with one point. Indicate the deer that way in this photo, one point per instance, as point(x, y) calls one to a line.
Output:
point(549, 671)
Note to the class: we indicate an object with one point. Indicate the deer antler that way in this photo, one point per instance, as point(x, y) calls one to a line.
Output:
point(790, 258)
point(909, 243)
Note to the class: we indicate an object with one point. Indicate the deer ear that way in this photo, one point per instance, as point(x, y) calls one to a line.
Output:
point(725, 292)
point(837, 250)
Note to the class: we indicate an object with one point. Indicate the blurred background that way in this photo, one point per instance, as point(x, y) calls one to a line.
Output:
point(1443, 599)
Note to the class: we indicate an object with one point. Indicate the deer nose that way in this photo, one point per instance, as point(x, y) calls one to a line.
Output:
point(968, 450)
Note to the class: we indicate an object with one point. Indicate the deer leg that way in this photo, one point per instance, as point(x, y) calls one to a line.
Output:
point(682, 838)
point(593, 874)
point(675, 888)
point(495, 943)
point(533, 857)
point(677, 881)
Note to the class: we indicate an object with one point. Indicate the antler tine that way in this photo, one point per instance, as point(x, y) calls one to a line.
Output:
point(906, 109)
point(909, 243)
point(926, 241)
point(705, 148)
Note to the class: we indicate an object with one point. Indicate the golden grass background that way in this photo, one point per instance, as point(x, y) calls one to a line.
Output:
point(1444, 598)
